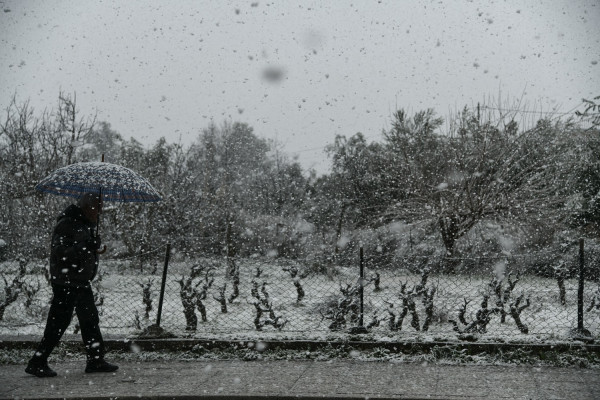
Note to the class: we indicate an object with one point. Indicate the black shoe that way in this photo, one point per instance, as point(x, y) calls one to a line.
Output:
point(100, 366)
point(41, 370)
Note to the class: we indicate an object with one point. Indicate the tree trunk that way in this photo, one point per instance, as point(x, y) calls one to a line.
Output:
point(229, 238)
point(338, 231)
point(561, 289)
point(452, 228)
point(449, 231)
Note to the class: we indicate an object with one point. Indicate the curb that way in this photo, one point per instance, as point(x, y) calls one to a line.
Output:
point(225, 397)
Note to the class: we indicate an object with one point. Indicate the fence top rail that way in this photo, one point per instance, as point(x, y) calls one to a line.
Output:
point(142, 253)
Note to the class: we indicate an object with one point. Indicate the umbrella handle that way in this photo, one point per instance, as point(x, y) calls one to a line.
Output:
point(98, 220)
point(98, 217)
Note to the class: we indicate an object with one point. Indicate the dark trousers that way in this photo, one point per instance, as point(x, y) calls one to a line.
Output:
point(64, 300)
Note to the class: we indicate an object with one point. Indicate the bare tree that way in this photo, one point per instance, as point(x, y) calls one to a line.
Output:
point(263, 304)
point(503, 294)
point(484, 167)
point(187, 294)
point(515, 312)
point(11, 291)
point(221, 298)
point(76, 127)
point(591, 112)
point(343, 309)
point(137, 324)
point(235, 277)
point(561, 273)
point(293, 271)
point(147, 296)
point(376, 279)
point(32, 145)
point(191, 297)
point(209, 278)
point(30, 290)
point(409, 306)
point(395, 319)
point(595, 303)
point(481, 321)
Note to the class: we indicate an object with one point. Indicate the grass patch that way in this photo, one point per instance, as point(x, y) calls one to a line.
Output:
point(443, 355)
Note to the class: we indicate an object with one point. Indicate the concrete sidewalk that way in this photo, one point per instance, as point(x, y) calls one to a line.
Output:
point(302, 380)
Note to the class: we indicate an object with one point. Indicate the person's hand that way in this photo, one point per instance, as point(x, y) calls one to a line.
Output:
point(100, 248)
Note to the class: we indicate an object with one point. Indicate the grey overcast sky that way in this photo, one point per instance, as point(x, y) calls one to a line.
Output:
point(299, 72)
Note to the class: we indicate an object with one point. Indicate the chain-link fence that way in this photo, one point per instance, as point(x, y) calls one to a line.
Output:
point(210, 297)
point(119, 290)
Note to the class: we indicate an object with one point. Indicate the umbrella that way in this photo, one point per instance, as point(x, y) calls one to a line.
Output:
point(113, 182)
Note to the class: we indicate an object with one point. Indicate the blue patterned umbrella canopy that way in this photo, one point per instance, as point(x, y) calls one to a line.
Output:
point(116, 183)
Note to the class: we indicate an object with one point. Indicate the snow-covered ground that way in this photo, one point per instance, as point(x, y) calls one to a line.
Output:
point(122, 312)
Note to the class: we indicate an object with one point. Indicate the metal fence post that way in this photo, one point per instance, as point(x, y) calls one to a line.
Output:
point(581, 285)
point(361, 281)
point(155, 331)
point(162, 285)
point(361, 288)
point(581, 333)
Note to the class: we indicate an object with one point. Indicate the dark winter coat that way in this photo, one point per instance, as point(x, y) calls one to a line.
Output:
point(73, 256)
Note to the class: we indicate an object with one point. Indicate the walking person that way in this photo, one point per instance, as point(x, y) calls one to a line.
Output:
point(73, 266)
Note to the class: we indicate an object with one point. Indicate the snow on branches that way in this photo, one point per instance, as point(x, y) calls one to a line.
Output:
point(263, 304)
point(192, 297)
point(409, 306)
point(483, 316)
point(293, 271)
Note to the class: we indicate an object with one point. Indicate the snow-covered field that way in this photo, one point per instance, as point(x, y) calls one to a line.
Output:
point(122, 312)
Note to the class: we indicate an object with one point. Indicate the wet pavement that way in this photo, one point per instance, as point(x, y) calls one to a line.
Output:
point(219, 379)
